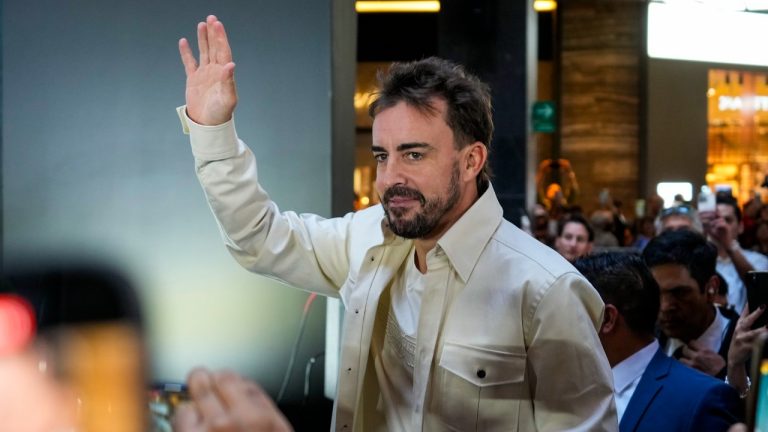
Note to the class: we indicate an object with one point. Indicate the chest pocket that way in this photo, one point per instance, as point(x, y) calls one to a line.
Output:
point(477, 388)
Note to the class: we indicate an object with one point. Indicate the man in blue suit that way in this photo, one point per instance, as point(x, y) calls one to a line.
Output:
point(653, 391)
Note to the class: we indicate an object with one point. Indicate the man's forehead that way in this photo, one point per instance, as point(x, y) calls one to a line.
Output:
point(725, 209)
point(671, 270)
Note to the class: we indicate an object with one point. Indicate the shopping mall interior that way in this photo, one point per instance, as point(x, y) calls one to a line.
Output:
point(595, 101)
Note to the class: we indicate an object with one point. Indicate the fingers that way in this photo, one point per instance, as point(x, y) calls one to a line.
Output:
point(752, 317)
point(692, 347)
point(210, 23)
point(247, 401)
point(186, 419)
point(223, 51)
point(187, 58)
point(201, 388)
point(202, 43)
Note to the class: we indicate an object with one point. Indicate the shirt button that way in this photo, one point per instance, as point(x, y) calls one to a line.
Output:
point(481, 373)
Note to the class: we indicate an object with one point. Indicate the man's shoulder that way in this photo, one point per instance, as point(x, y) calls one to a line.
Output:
point(512, 245)
point(692, 382)
point(758, 260)
point(698, 400)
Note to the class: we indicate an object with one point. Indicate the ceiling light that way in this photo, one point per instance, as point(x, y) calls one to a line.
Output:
point(397, 6)
point(544, 5)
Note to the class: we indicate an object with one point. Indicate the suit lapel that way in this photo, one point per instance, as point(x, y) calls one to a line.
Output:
point(649, 386)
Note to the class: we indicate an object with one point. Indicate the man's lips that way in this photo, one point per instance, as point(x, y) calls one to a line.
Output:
point(401, 201)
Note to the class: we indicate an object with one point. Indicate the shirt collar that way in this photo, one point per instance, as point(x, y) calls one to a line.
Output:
point(467, 237)
point(632, 367)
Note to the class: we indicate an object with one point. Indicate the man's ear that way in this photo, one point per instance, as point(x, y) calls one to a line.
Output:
point(475, 157)
point(610, 319)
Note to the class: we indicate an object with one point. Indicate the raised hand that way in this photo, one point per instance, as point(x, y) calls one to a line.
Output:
point(211, 94)
point(744, 336)
point(226, 402)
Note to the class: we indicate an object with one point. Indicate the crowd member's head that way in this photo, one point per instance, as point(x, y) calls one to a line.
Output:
point(679, 217)
point(729, 211)
point(432, 129)
point(683, 264)
point(653, 205)
point(631, 297)
point(602, 223)
point(574, 237)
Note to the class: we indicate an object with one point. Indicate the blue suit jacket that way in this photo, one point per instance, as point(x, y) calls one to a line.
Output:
point(674, 397)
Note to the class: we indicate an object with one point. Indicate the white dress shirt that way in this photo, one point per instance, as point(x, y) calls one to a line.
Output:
point(627, 374)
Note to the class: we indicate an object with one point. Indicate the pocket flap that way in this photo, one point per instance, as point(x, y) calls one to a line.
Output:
point(482, 366)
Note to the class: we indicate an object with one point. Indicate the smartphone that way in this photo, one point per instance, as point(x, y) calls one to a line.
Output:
point(707, 201)
point(164, 398)
point(757, 294)
point(757, 401)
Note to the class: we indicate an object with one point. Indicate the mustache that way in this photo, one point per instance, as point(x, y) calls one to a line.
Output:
point(402, 192)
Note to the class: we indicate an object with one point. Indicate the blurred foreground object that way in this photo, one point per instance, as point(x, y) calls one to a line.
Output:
point(83, 368)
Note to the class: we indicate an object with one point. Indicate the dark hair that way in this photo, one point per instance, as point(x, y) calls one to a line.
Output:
point(731, 201)
point(579, 219)
point(623, 280)
point(683, 247)
point(723, 288)
point(418, 83)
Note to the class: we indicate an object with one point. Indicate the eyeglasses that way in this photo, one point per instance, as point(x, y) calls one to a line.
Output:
point(683, 210)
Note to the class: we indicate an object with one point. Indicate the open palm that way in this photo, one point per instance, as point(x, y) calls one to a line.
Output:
point(211, 94)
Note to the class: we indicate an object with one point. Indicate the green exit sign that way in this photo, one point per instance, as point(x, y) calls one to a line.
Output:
point(543, 116)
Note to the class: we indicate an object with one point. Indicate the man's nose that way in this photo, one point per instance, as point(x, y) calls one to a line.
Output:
point(665, 303)
point(390, 174)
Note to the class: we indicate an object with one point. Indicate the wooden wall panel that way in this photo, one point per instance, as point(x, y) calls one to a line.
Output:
point(601, 81)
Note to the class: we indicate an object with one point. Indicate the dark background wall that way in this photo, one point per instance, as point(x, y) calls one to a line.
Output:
point(94, 162)
point(677, 122)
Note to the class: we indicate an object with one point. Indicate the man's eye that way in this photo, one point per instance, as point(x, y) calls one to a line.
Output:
point(414, 155)
point(380, 157)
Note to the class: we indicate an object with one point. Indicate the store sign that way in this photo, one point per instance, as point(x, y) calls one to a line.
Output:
point(737, 103)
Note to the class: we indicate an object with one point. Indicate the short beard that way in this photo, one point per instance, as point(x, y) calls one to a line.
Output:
point(426, 220)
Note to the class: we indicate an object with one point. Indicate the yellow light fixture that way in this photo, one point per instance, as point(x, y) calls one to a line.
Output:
point(397, 6)
point(544, 5)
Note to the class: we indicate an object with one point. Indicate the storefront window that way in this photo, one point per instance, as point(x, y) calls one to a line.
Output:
point(737, 156)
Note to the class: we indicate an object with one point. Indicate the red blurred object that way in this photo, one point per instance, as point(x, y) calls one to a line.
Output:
point(17, 323)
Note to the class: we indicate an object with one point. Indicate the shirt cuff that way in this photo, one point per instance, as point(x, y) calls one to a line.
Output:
point(209, 142)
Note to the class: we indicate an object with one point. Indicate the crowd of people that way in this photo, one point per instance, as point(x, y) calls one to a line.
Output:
point(674, 286)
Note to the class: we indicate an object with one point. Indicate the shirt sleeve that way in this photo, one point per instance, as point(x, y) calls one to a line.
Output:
point(571, 381)
point(306, 251)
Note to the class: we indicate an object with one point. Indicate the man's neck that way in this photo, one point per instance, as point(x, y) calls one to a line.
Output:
point(627, 346)
point(709, 318)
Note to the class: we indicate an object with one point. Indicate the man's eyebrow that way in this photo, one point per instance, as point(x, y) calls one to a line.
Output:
point(411, 146)
point(402, 147)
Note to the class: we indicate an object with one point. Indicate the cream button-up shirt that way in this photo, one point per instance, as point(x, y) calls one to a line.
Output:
point(511, 345)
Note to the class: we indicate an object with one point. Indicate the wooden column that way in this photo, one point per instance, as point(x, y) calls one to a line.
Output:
point(601, 100)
